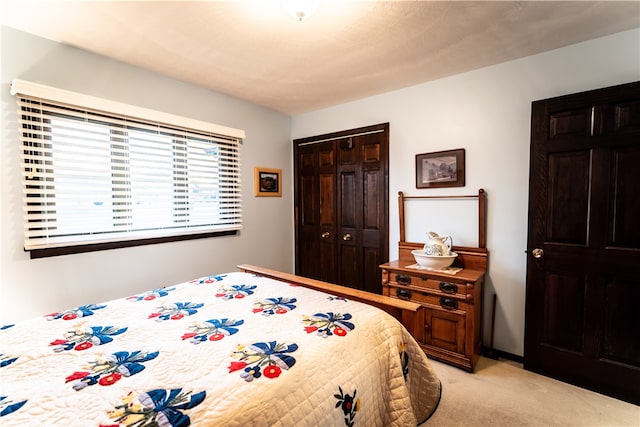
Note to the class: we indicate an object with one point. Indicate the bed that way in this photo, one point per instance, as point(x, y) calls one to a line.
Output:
point(249, 347)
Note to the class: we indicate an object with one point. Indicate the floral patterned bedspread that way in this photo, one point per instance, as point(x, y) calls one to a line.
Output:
point(225, 350)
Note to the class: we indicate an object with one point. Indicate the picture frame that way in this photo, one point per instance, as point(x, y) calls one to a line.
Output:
point(267, 182)
point(440, 169)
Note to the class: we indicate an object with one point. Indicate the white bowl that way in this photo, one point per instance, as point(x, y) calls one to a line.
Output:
point(433, 261)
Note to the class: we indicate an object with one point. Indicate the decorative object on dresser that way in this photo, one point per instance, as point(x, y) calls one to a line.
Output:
point(433, 262)
point(436, 254)
point(451, 297)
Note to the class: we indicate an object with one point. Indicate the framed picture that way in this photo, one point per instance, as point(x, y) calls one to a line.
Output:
point(440, 169)
point(267, 182)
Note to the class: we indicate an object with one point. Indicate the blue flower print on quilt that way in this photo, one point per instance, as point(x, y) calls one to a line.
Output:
point(211, 330)
point(268, 358)
point(82, 311)
point(156, 408)
point(404, 361)
point(3, 327)
point(151, 295)
point(110, 369)
point(175, 311)
point(335, 298)
point(271, 306)
point(6, 360)
point(8, 406)
point(327, 324)
point(84, 338)
point(209, 279)
point(235, 291)
point(349, 405)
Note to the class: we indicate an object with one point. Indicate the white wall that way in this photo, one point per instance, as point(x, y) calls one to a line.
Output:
point(32, 288)
point(487, 112)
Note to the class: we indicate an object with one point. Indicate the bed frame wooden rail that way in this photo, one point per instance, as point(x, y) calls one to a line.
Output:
point(410, 314)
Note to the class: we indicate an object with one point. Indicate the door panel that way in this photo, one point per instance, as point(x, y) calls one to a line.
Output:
point(372, 280)
point(372, 201)
point(344, 178)
point(371, 155)
point(327, 156)
point(627, 117)
point(625, 230)
point(563, 322)
point(583, 280)
point(570, 123)
point(349, 266)
point(348, 202)
point(622, 323)
point(445, 330)
point(569, 176)
point(307, 201)
point(327, 198)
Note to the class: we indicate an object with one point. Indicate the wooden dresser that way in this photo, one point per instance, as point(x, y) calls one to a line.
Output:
point(450, 326)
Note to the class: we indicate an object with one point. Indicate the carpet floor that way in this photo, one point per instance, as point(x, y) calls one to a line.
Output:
point(501, 393)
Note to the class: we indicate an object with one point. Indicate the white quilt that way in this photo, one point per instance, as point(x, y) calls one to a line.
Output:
point(225, 350)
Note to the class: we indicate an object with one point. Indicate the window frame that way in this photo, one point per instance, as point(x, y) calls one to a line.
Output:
point(220, 138)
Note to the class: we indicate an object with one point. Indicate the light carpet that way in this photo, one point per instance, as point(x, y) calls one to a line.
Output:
point(502, 393)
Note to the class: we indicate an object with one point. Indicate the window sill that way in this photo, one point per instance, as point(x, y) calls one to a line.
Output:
point(68, 250)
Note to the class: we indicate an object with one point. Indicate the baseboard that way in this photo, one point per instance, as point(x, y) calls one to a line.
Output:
point(493, 353)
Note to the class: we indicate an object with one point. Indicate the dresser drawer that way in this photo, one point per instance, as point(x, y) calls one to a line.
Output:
point(447, 302)
point(423, 281)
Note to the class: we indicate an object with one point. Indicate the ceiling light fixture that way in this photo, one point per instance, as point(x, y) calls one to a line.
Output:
point(300, 9)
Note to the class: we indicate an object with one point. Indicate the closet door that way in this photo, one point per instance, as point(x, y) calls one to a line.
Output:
point(316, 211)
point(342, 204)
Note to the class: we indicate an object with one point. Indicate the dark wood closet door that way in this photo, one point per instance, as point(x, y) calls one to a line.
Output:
point(316, 211)
point(583, 268)
point(342, 204)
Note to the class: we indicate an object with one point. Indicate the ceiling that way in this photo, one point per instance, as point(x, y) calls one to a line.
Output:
point(349, 49)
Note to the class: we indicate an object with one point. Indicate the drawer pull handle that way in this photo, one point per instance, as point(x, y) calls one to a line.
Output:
point(405, 280)
point(402, 294)
point(448, 288)
point(448, 303)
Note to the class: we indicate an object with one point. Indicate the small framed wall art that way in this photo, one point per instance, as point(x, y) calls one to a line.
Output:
point(267, 182)
point(440, 169)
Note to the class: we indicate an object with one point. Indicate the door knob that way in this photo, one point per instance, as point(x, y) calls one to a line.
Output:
point(346, 237)
point(325, 235)
point(537, 253)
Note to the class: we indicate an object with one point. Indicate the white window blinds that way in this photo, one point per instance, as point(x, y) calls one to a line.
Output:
point(96, 171)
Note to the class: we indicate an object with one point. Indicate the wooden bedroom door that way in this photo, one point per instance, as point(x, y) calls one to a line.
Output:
point(583, 267)
point(341, 206)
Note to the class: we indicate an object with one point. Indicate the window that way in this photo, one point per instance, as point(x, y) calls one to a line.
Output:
point(97, 179)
